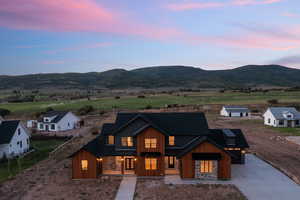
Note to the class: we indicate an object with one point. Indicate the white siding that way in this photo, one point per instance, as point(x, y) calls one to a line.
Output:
point(68, 122)
point(18, 143)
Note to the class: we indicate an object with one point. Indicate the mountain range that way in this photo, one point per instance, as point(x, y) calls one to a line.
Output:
point(160, 77)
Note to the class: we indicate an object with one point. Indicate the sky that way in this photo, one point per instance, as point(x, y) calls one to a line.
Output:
point(47, 36)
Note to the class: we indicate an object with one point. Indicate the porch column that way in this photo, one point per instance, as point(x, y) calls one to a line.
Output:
point(122, 164)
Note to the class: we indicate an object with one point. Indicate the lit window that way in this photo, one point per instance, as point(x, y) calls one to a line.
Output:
point(111, 139)
point(171, 140)
point(206, 166)
point(84, 165)
point(150, 163)
point(150, 143)
point(127, 141)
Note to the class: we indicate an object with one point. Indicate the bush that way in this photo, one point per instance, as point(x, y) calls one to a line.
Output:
point(4, 112)
point(49, 109)
point(141, 97)
point(148, 107)
point(273, 101)
point(86, 109)
point(117, 97)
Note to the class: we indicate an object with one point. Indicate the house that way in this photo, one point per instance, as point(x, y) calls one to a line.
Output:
point(32, 123)
point(57, 121)
point(156, 144)
point(14, 139)
point(235, 111)
point(282, 117)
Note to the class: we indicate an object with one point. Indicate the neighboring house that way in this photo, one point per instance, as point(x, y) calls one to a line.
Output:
point(235, 111)
point(156, 144)
point(32, 123)
point(282, 117)
point(14, 139)
point(57, 121)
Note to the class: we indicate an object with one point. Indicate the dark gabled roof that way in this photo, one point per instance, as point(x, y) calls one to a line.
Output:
point(107, 129)
point(7, 130)
point(59, 115)
point(180, 123)
point(279, 112)
point(236, 109)
point(220, 138)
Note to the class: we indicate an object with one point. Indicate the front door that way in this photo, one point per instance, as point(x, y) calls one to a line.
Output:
point(47, 127)
point(290, 123)
point(171, 162)
point(129, 163)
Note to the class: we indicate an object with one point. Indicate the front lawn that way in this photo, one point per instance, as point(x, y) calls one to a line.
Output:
point(14, 166)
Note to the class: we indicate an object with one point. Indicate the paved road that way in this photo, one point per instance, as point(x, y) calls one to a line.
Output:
point(257, 180)
point(126, 188)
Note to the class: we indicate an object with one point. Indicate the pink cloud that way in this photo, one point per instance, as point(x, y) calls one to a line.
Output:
point(205, 5)
point(289, 14)
point(74, 16)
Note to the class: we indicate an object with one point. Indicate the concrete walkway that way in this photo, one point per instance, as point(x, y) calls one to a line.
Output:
point(126, 188)
point(256, 179)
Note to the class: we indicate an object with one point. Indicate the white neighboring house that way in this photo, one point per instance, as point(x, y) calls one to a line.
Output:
point(57, 121)
point(282, 117)
point(235, 111)
point(14, 138)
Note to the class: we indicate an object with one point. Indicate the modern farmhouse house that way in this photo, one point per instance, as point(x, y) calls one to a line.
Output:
point(14, 139)
point(282, 117)
point(57, 121)
point(235, 111)
point(155, 144)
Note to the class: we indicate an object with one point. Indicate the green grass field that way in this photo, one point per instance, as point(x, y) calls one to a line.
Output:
point(288, 131)
point(43, 148)
point(157, 101)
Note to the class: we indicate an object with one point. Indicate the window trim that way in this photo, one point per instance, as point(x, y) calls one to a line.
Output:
point(172, 140)
point(151, 163)
point(127, 141)
point(206, 166)
point(84, 165)
point(150, 143)
point(111, 140)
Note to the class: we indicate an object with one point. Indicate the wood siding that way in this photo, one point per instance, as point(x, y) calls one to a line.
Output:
point(150, 133)
point(188, 164)
point(92, 165)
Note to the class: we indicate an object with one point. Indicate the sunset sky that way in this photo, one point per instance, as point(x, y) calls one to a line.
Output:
point(41, 36)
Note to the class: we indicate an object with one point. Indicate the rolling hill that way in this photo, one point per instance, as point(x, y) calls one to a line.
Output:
point(158, 77)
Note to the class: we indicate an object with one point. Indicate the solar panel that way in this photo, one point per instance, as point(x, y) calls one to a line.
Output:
point(228, 133)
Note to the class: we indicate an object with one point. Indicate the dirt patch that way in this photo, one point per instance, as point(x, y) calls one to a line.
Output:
point(147, 189)
point(269, 144)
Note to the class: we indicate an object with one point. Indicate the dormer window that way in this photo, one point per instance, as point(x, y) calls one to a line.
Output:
point(127, 141)
point(111, 139)
point(150, 143)
point(230, 141)
point(229, 137)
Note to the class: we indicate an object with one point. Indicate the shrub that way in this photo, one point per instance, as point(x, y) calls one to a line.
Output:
point(273, 101)
point(141, 97)
point(95, 131)
point(49, 109)
point(117, 97)
point(148, 107)
point(4, 112)
point(86, 109)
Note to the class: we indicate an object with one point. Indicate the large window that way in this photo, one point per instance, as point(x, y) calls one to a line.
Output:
point(111, 139)
point(52, 126)
point(127, 141)
point(206, 166)
point(84, 165)
point(281, 122)
point(171, 140)
point(150, 143)
point(151, 163)
point(297, 122)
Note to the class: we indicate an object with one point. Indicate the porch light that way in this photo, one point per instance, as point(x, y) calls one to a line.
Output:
point(243, 151)
point(135, 159)
point(122, 159)
point(99, 159)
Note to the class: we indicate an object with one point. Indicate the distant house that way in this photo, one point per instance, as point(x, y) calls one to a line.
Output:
point(57, 121)
point(235, 111)
point(32, 123)
point(282, 117)
point(14, 138)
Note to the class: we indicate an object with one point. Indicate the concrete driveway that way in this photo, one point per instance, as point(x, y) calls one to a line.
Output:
point(256, 179)
point(260, 181)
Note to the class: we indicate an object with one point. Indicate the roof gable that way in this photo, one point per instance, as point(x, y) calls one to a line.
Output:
point(283, 112)
point(55, 115)
point(7, 130)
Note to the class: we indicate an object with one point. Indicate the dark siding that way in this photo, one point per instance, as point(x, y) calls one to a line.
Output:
point(76, 165)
